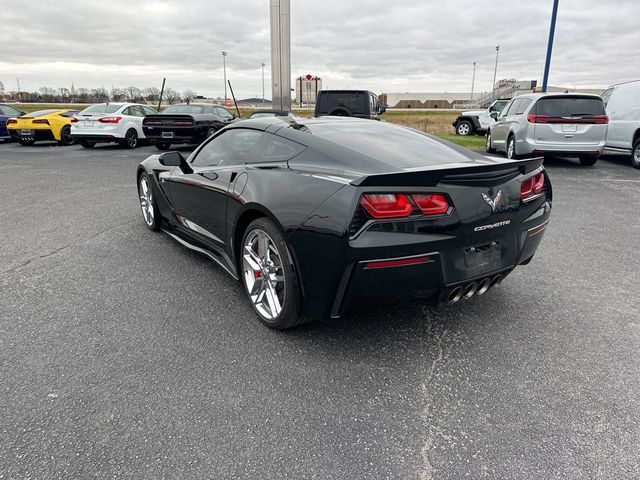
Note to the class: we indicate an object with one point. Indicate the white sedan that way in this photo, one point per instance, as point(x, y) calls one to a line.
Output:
point(110, 122)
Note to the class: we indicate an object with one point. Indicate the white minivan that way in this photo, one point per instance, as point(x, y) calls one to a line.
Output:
point(622, 102)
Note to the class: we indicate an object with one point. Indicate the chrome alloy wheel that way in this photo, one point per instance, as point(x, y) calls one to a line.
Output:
point(464, 129)
point(263, 272)
point(146, 200)
point(511, 148)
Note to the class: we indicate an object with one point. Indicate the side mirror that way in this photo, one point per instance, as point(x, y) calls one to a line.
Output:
point(174, 159)
point(494, 115)
point(382, 109)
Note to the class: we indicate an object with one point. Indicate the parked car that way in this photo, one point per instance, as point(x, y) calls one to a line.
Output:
point(551, 124)
point(476, 122)
point(49, 125)
point(317, 214)
point(348, 103)
point(6, 112)
point(110, 122)
point(272, 113)
point(622, 102)
point(185, 124)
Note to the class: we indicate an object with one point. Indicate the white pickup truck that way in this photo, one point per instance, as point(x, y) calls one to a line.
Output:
point(476, 122)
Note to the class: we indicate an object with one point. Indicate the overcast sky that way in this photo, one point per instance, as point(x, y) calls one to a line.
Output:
point(384, 46)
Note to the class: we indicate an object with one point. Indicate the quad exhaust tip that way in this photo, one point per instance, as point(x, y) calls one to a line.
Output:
point(474, 288)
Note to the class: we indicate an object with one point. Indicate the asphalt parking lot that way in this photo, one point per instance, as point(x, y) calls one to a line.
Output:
point(125, 355)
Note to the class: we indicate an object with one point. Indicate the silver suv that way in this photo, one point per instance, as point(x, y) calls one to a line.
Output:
point(623, 107)
point(551, 124)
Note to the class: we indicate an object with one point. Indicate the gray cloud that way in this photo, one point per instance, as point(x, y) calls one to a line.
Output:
point(411, 45)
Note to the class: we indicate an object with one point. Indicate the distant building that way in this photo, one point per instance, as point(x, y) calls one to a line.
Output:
point(424, 100)
point(307, 88)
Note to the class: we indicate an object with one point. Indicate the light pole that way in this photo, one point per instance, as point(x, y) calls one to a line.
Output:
point(473, 80)
point(224, 69)
point(495, 70)
point(552, 30)
point(262, 65)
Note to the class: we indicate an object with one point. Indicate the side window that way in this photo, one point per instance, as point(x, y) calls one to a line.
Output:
point(69, 113)
point(514, 106)
point(505, 110)
point(524, 104)
point(223, 113)
point(276, 149)
point(9, 111)
point(232, 147)
point(149, 111)
point(127, 111)
point(606, 95)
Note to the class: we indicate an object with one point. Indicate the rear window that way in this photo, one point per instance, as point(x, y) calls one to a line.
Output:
point(332, 103)
point(570, 106)
point(102, 108)
point(184, 109)
point(41, 113)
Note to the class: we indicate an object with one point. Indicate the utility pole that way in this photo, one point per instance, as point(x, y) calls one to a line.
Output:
point(552, 30)
point(473, 80)
point(224, 69)
point(262, 64)
point(279, 11)
point(495, 71)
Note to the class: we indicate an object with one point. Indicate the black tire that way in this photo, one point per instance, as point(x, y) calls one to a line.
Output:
point(87, 144)
point(488, 146)
point(464, 128)
point(65, 136)
point(148, 204)
point(286, 290)
point(163, 146)
point(588, 160)
point(635, 154)
point(130, 139)
point(211, 132)
point(511, 152)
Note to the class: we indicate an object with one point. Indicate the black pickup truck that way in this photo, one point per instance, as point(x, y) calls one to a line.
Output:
point(185, 123)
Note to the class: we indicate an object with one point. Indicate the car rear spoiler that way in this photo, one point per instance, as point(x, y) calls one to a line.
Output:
point(455, 173)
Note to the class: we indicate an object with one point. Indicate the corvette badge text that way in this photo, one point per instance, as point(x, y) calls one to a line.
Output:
point(492, 225)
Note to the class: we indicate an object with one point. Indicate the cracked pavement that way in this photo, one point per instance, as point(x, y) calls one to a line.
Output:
point(124, 355)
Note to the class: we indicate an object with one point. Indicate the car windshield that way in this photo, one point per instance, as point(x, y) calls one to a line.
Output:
point(41, 113)
point(184, 109)
point(102, 108)
point(570, 106)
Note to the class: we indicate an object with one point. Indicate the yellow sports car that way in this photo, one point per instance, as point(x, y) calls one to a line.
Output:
point(50, 125)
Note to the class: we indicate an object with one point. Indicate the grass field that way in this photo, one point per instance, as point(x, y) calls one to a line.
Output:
point(436, 122)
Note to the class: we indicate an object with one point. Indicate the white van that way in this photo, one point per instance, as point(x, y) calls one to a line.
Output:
point(623, 107)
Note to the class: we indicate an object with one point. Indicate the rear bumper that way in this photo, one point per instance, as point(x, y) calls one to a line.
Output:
point(418, 272)
point(530, 146)
point(79, 137)
point(179, 135)
point(36, 135)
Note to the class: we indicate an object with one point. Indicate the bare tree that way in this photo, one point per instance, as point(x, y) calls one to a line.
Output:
point(99, 94)
point(188, 95)
point(118, 94)
point(151, 94)
point(133, 94)
point(171, 96)
point(48, 94)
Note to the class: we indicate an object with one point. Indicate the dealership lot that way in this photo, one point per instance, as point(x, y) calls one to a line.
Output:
point(125, 355)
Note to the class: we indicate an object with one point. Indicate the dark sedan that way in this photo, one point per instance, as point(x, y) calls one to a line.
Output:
point(316, 215)
point(7, 112)
point(185, 124)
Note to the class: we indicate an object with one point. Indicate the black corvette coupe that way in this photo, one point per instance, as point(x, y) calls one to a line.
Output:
point(315, 215)
point(185, 123)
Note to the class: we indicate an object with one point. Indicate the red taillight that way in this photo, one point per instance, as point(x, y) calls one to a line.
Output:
point(431, 204)
point(600, 119)
point(397, 262)
point(109, 119)
point(74, 120)
point(386, 205)
point(152, 122)
point(532, 186)
point(531, 118)
point(11, 121)
point(183, 123)
point(41, 121)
